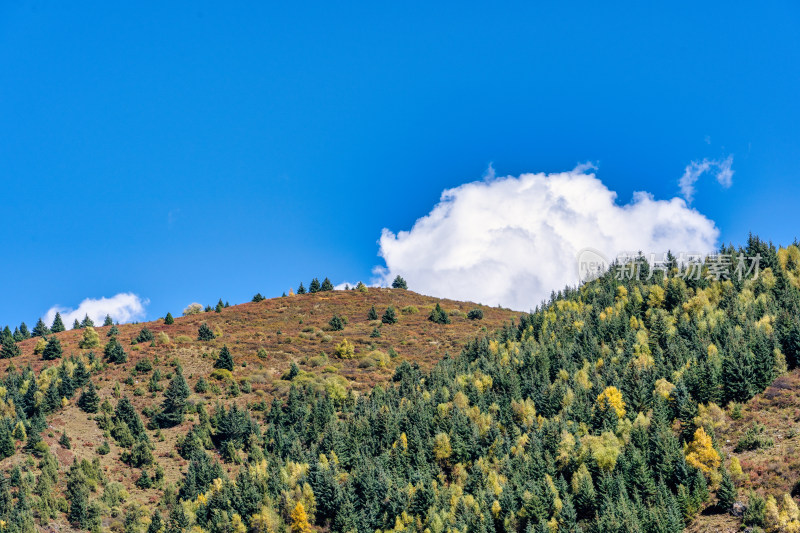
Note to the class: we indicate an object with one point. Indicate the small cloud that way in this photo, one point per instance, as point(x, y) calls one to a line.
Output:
point(122, 307)
point(489, 175)
point(721, 169)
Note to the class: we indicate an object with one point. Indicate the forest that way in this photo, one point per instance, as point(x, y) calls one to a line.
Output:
point(592, 413)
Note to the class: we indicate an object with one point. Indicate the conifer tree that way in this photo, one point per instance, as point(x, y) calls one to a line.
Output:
point(86, 322)
point(301, 289)
point(52, 350)
point(258, 298)
point(89, 400)
point(299, 519)
point(336, 323)
point(326, 285)
point(168, 320)
point(726, 494)
point(204, 333)
point(76, 324)
point(438, 315)
point(114, 353)
point(399, 283)
point(224, 360)
point(108, 321)
point(174, 405)
point(58, 324)
point(9, 349)
point(156, 525)
point(23, 329)
point(145, 335)
point(40, 329)
point(114, 330)
point(372, 314)
point(390, 316)
point(314, 286)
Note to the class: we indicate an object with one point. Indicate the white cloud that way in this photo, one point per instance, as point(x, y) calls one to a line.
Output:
point(513, 240)
point(122, 307)
point(720, 168)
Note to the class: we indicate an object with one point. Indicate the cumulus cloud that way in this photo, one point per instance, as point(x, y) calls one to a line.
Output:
point(513, 240)
point(122, 307)
point(721, 169)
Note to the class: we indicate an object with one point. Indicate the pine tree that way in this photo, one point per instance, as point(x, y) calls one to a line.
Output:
point(301, 289)
point(336, 323)
point(258, 298)
point(204, 333)
point(399, 283)
point(174, 405)
point(108, 321)
point(372, 314)
point(726, 494)
point(89, 400)
point(145, 335)
point(326, 285)
point(438, 315)
point(9, 349)
point(114, 353)
point(314, 286)
point(23, 329)
point(156, 526)
point(113, 331)
point(52, 350)
point(168, 320)
point(76, 324)
point(219, 307)
point(390, 316)
point(225, 359)
point(178, 522)
point(58, 324)
point(40, 329)
point(86, 322)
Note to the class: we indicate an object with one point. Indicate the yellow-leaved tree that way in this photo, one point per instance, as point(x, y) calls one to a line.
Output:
point(611, 398)
point(700, 453)
point(299, 519)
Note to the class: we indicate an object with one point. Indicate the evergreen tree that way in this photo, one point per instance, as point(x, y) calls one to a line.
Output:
point(314, 286)
point(40, 329)
point(156, 525)
point(326, 285)
point(301, 289)
point(108, 321)
point(114, 353)
point(372, 314)
point(23, 329)
point(399, 283)
point(336, 323)
point(178, 522)
point(168, 320)
point(76, 324)
point(204, 333)
point(390, 316)
point(438, 315)
point(219, 307)
point(113, 331)
point(726, 494)
point(174, 405)
point(9, 349)
point(258, 297)
point(86, 322)
point(224, 360)
point(52, 350)
point(58, 324)
point(145, 335)
point(89, 400)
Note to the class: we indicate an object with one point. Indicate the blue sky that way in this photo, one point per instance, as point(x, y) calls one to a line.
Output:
point(193, 151)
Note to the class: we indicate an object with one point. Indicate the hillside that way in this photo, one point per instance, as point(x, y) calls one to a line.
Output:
point(264, 338)
point(624, 405)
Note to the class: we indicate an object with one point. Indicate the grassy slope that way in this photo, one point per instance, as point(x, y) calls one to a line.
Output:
point(774, 470)
point(302, 322)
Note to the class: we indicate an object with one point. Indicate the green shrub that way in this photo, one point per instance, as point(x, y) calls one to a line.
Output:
point(475, 314)
point(753, 439)
point(409, 310)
